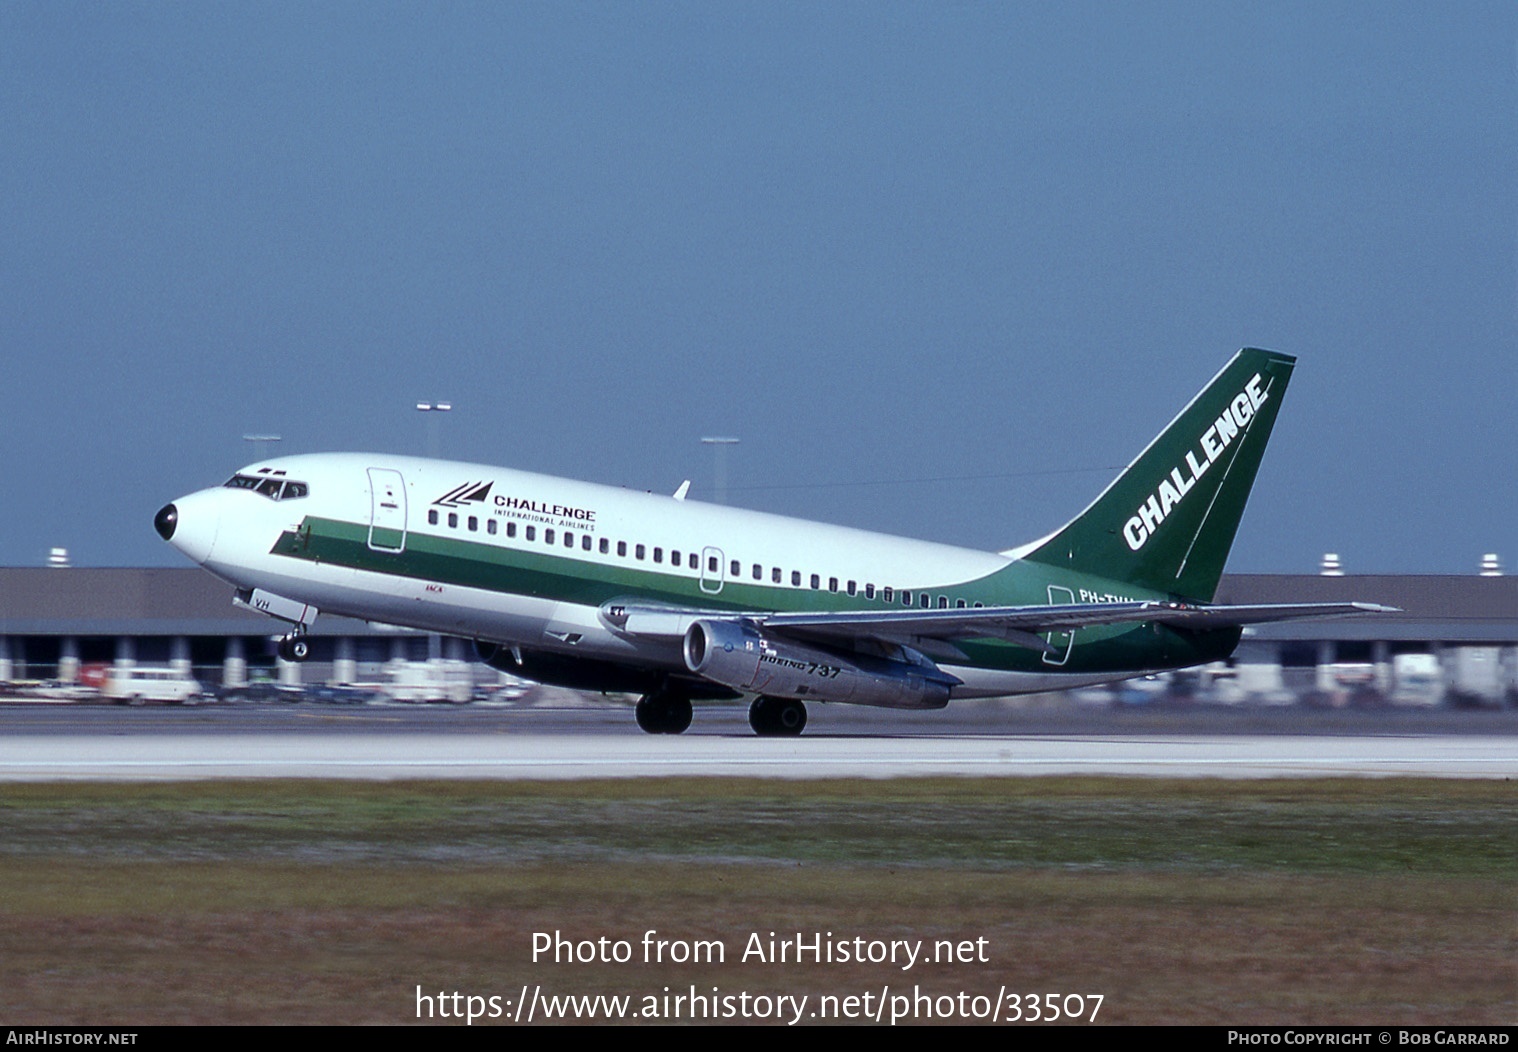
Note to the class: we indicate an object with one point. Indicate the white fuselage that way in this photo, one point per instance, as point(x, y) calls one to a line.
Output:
point(567, 532)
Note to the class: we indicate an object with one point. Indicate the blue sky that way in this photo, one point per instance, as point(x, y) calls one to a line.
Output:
point(941, 267)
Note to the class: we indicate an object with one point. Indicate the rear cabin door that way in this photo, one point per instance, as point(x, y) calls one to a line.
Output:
point(387, 510)
point(1060, 641)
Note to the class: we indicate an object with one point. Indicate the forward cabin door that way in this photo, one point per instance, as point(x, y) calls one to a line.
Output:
point(387, 511)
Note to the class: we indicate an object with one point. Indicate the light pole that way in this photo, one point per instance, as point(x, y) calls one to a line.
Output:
point(434, 411)
point(719, 446)
point(433, 408)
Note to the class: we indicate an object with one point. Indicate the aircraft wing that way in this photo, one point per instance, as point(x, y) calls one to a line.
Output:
point(934, 632)
point(1023, 625)
point(1263, 613)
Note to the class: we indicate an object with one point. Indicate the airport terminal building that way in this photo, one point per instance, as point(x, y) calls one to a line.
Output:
point(1454, 641)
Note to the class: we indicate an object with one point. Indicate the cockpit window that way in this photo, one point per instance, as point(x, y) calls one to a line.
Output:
point(269, 486)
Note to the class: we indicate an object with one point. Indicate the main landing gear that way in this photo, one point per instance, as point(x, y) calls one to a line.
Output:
point(295, 647)
point(667, 711)
point(664, 712)
point(777, 717)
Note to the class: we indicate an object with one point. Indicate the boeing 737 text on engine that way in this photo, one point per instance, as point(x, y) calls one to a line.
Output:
point(598, 588)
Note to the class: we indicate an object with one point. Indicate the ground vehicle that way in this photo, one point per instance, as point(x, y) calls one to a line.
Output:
point(139, 684)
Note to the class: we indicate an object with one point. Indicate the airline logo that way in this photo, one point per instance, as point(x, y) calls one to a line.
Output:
point(479, 493)
point(561, 511)
point(1219, 435)
point(469, 492)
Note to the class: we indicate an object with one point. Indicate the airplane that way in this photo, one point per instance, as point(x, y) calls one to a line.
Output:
point(598, 588)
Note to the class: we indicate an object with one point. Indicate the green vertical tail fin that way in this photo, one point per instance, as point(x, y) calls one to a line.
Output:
point(1168, 520)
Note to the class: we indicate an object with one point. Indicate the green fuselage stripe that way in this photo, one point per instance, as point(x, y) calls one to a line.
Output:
point(563, 577)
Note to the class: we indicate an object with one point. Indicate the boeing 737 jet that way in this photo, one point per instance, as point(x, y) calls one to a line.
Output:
point(599, 588)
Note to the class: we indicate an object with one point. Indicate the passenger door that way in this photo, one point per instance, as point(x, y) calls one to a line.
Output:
point(1060, 641)
point(387, 511)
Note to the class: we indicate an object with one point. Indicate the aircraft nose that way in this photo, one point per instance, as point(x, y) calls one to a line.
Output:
point(165, 521)
point(191, 523)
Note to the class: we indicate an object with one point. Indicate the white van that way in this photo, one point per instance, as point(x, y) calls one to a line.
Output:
point(437, 680)
point(145, 683)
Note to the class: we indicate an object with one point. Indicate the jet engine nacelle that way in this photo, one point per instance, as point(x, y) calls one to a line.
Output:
point(737, 655)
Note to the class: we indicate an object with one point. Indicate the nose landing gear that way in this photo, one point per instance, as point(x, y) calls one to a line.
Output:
point(295, 647)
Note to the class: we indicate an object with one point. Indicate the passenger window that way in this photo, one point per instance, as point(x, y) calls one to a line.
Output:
point(869, 591)
point(585, 542)
point(638, 552)
point(569, 539)
point(674, 557)
point(453, 520)
point(832, 584)
point(622, 549)
point(943, 602)
point(735, 571)
point(511, 529)
point(906, 598)
point(431, 516)
point(695, 563)
point(775, 575)
point(658, 555)
point(795, 578)
point(531, 534)
point(605, 546)
point(711, 564)
point(959, 603)
point(852, 587)
point(491, 527)
point(474, 524)
point(924, 600)
point(816, 581)
point(885, 595)
point(548, 536)
point(758, 572)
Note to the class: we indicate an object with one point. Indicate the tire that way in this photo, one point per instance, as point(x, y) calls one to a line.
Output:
point(664, 713)
point(648, 714)
point(790, 718)
point(760, 717)
point(678, 715)
point(777, 717)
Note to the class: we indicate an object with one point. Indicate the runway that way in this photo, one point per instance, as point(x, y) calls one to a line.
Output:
point(110, 745)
